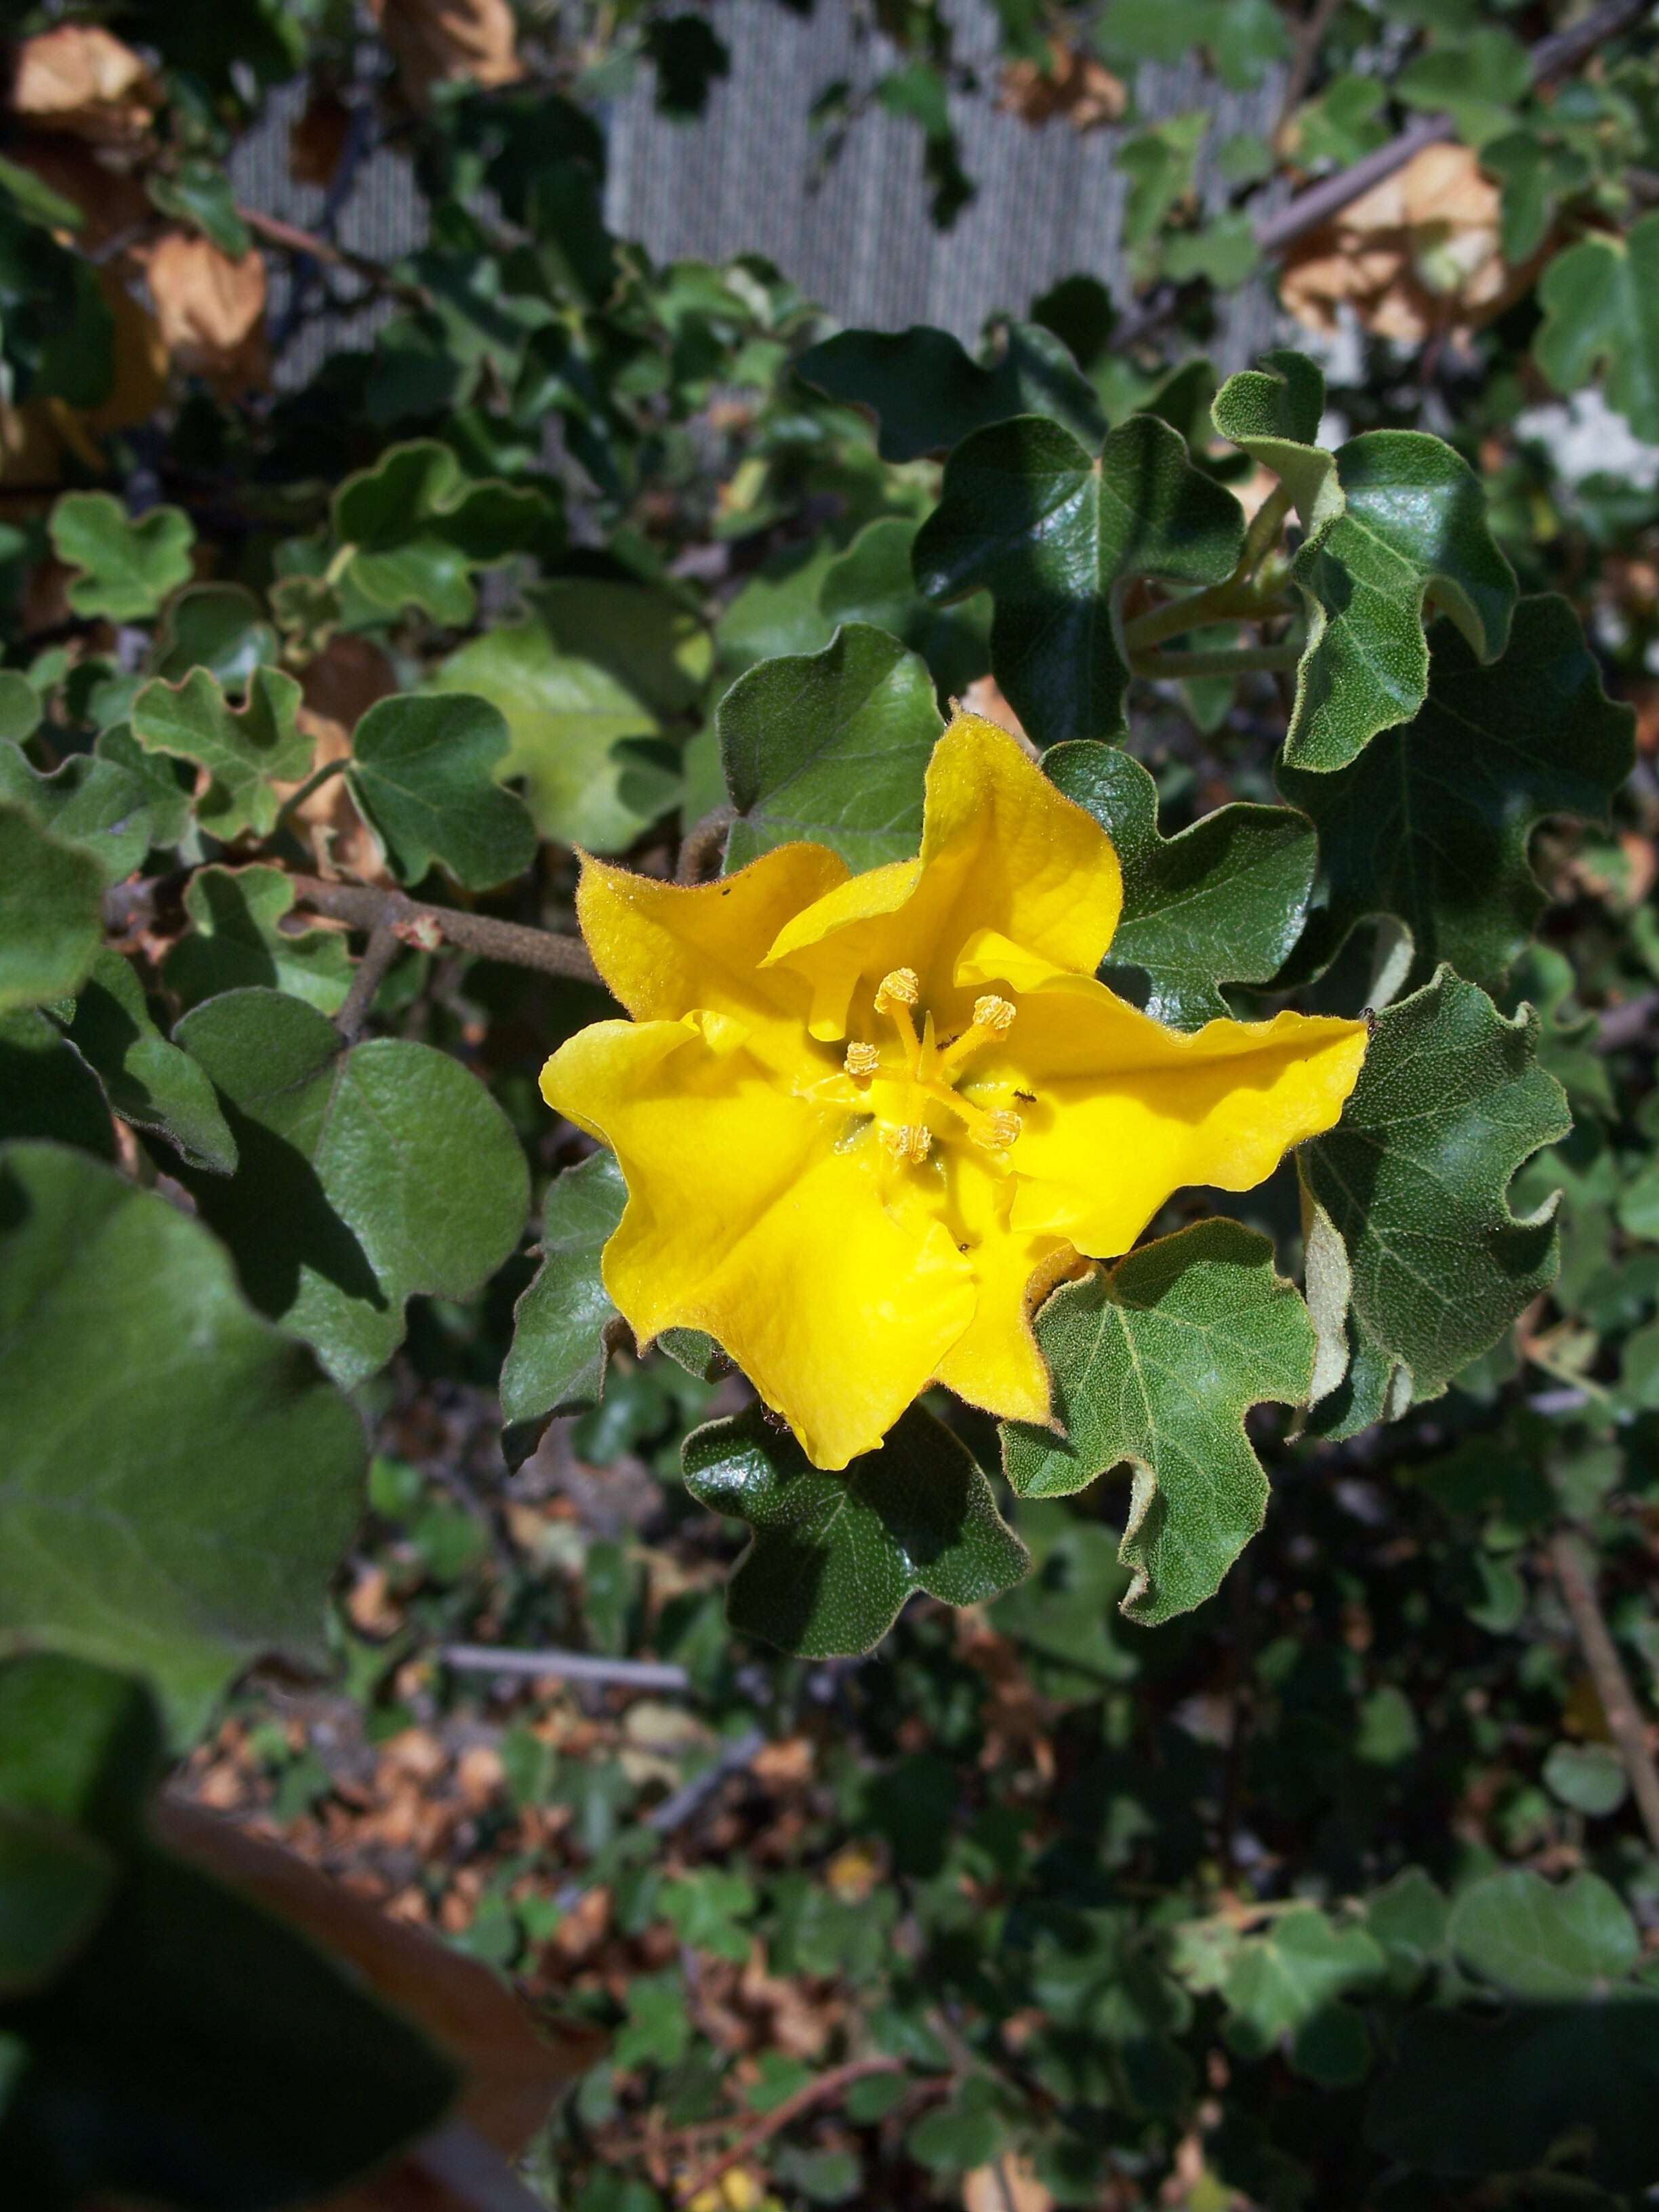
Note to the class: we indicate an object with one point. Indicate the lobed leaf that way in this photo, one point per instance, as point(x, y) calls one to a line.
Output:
point(150, 1082)
point(50, 912)
point(557, 1361)
point(128, 565)
point(236, 938)
point(1601, 303)
point(91, 802)
point(244, 751)
point(1028, 514)
point(1156, 1360)
point(421, 772)
point(832, 747)
point(929, 394)
point(1414, 1258)
point(834, 1557)
point(418, 526)
point(1223, 902)
point(1433, 822)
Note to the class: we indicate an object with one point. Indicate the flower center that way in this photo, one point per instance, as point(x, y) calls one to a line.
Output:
point(924, 1074)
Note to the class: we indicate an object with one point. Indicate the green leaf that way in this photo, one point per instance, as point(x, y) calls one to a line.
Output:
point(150, 1082)
point(54, 1886)
point(422, 772)
point(1394, 521)
point(1289, 1982)
point(218, 626)
point(127, 1359)
point(1223, 902)
point(90, 802)
point(1479, 82)
point(199, 192)
point(831, 747)
point(1590, 1777)
point(46, 1088)
point(242, 749)
point(1410, 1236)
point(148, 2075)
point(50, 912)
point(555, 1363)
point(1537, 175)
point(834, 1557)
point(19, 706)
point(238, 939)
point(1159, 163)
point(1574, 2053)
point(367, 1175)
point(169, 800)
point(419, 525)
point(1156, 1360)
point(929, 394)
point(127, 568)
point(874, 581)
point(1027, 515)
point(1601, 303)
point(1343, 125)
point(597, 673)
point(1432, 823)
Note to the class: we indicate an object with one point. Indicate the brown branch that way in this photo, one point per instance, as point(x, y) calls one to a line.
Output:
point(701, 845)
point(1625, 1723)
point(825, 2090)
point(1551, 57)
point(275, 232)
point(1310, 38)
point(364, 906)
point(384, 944)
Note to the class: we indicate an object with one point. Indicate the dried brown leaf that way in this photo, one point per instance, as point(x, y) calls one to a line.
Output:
point(1072, 86)
point(211, 310)
point(80, 79)
point(443, 41)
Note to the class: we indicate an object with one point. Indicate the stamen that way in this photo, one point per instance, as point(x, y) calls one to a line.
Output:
point(912, 1142)
point(993, 1017)
point(900, 987)
point(862, 1059)
point(992, 1013)
point(993, 1130)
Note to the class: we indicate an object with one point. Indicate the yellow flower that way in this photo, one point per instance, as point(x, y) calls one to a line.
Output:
point(866, 1121)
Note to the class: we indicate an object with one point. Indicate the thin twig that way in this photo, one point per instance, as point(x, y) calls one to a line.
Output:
point(827, 2089)
point(384, 944)
point(1551, 57)
point(701, 845)
point(275, 232)
point(1310, 38)
point(363, 905)
point(681, 1804)
point(1625, 1723)
point(568, 1666)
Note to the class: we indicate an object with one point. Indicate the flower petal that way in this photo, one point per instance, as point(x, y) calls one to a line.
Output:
point(1000, 849)
point(665, 950)
point(995, 1362)
point(822, 1276)
point(1123, 1112)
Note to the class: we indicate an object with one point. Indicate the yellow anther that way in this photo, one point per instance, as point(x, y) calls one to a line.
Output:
point(862, 1059)
point(996, 1130)
point(912, 1142)
point(992, 1013)
point(901, 988)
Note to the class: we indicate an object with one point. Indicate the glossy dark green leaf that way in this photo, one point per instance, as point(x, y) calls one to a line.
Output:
point(1222, 903)
point(1156, 1361)
point(1432, 823)
point(244, 749)
point(236, 938)
point(127, 567)
point(1600, 303)
point(150, 1082)
point(555, 1363)
point(928, 393)
point(91, 803)
point(831, 747)
point(1395, 522)
point(422, 772)
point(366, 1175)
point(874, 581)
point(50, 912)
point(128, 1358)
point(419, 526)
point(1410, 1234)
point(834, 1557)
point(1029, 515)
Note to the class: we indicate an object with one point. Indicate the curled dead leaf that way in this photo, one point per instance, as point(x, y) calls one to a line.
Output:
point(1072, 85)
point(81, 79)
point(109, 193)
point(338, 686)
point(444, 41)
point(211, 310)
point(1417, 253)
